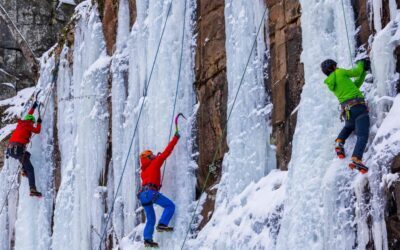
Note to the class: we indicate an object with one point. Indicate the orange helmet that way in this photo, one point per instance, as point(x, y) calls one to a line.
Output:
point(146, 154)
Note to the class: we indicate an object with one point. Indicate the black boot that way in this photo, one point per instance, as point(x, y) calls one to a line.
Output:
point(150, 243)
point(36, 193)
point(164, 228)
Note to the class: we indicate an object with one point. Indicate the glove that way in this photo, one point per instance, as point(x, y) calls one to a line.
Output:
point(177, 134)
point(35, 104)
point(39, 120)
point(367, 64)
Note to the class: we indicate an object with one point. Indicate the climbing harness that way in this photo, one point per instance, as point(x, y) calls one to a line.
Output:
point(212, 166)
point(347, 105)
point(176, 88)
point(147, 187)
point(136, 127)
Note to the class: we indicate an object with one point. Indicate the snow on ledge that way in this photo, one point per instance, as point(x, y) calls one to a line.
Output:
point(70, 2)
point(250, 220)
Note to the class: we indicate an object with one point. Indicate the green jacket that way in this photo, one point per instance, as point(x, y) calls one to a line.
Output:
point(341, 84)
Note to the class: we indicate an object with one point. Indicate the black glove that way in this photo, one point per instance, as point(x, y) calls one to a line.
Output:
point(35, 104)
point(177, 134)
point(39, 120)
point(367, 64)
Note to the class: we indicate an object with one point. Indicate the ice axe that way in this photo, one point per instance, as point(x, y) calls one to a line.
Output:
point(36, 100)
point(177, 120)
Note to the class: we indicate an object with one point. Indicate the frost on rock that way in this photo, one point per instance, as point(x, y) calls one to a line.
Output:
point(385, 113)
point(249, 157)
point(83, 116)
point(18, 104)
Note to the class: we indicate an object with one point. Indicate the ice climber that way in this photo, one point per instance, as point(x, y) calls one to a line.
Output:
point(345, 84)
point(149, 194)
point(17, 146)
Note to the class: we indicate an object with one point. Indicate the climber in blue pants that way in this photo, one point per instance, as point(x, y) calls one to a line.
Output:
point(147, 198)
point(149, 193)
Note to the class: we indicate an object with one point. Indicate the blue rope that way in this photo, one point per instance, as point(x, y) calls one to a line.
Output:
point(177, 84)
point(135, 130)
point(211, 166)
point(347, 34)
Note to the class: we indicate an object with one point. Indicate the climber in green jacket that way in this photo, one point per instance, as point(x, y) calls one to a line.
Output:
point(345, 84)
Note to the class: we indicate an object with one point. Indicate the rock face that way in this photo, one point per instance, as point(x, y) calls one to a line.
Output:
point(362, 14)
point(110, 21)
point(393, 208)
point(212, 93)
point(39, 22)
point(286, 73)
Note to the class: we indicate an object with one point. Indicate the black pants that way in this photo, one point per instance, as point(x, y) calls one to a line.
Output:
point(359, 123)
point(24, 157)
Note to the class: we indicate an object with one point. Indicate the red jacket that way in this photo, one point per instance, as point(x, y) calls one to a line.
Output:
point(22, 134)
point(151, 169)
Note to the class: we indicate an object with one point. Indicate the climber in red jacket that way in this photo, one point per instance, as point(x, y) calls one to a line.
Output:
point(17, 146)
point(149, 194)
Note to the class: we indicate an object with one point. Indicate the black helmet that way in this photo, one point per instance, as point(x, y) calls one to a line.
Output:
point(328, 66)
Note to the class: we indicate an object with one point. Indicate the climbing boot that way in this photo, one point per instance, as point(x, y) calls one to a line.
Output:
point(339, 148)
point(357, 164)
point(24, 173)
point(34, 192)
point(150, 243)
point(164, 228)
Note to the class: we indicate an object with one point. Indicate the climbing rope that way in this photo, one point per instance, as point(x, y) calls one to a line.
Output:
point(9, 190)
point(177, 86)
point(211, 167)
point(347, 34)
point(136, 127)
point(53, 83)
point(15, 27)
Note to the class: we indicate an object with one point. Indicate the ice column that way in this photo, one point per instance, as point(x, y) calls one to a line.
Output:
point(320, 201)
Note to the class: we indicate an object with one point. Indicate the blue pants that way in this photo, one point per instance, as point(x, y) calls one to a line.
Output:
point(358, 122)
point(147, 198)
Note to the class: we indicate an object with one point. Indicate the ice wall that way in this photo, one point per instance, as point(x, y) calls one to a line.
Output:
point(320, 199)
point(79, 206)
point(125, 205)
point(9, 198)
point(384, 108)
point(33, 226)
point(250, 156)
point(154, 124)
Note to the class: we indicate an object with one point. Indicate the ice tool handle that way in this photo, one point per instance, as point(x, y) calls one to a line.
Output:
point(36, 101)
point(177, 121)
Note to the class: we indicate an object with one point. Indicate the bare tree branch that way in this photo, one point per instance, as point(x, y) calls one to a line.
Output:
point(22, 43)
